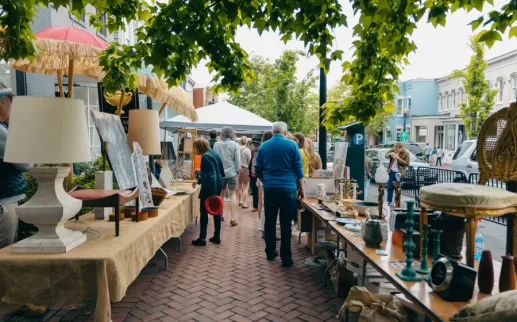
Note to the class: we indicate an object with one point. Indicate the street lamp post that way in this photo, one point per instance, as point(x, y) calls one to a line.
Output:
point(322, 139)
point(406, 115)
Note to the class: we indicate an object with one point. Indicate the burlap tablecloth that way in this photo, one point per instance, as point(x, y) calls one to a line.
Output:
point(102, 267)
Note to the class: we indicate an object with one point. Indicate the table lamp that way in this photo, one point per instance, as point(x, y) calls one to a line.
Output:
point(48, 130)
point(381, 178)
point(144, 128)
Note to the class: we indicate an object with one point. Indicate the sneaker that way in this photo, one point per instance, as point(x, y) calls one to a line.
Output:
point(199, 242)
point(273, 256)
point(227, 199)
point(233, 222)
point(215, 240)
point(288, 263)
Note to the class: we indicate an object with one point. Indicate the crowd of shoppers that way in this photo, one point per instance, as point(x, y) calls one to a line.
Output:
point(274, 167)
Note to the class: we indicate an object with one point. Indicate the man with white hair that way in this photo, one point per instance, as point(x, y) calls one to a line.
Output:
point(279, 167)
point(12, 180)
point(228, 149)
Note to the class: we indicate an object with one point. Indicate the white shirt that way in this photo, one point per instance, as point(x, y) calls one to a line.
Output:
point(245, 157)
point(395, 166)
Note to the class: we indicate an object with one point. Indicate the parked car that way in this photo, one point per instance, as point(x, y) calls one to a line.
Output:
point(379, 155)
point(464, 159)
point(410, 146)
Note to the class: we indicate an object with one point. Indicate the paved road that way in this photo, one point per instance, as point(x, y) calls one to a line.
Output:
point(494, 234)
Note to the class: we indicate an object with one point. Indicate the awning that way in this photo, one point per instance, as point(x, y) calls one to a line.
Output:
point(219, 115)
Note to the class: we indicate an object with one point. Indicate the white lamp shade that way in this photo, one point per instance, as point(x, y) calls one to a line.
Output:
point(47, 130)
point(144, 128)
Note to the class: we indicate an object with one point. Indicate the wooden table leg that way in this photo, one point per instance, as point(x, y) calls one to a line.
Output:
point(470, 227)
point(314, 235)
point(423, 220)
point(513, 233)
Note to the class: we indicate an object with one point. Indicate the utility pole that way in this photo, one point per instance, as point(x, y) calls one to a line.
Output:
point(322, 139)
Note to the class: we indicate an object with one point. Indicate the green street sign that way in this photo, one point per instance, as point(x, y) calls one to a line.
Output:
point(404, 136)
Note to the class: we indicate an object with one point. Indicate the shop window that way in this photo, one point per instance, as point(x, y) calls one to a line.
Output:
point(450, 133)
point(421, 134)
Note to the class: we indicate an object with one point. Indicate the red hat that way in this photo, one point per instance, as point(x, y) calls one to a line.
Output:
point(214, 205)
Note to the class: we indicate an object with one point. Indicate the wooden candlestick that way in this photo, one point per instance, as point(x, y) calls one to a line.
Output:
point(409, 273)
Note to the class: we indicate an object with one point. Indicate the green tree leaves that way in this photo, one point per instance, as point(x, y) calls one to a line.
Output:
point(480, 98)
point(177, 35)
point(276, 95)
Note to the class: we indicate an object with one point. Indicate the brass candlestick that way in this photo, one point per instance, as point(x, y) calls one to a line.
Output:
point(398, 194)
point(380, 200)
point(424, 267)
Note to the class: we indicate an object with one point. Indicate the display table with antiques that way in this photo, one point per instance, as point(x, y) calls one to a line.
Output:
point(383, 257)
point(102, 267)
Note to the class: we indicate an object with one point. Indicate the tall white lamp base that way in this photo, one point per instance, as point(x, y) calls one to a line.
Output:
point(49, 209)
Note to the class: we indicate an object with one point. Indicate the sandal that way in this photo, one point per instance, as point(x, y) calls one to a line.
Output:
point(240, 204)
point(244, 207)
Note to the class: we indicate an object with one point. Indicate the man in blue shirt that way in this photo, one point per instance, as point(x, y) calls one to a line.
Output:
point(279, 167)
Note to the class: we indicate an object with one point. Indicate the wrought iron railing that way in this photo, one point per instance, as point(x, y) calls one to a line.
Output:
point(425, 176)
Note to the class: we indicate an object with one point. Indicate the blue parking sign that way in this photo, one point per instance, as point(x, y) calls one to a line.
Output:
point(358, 139)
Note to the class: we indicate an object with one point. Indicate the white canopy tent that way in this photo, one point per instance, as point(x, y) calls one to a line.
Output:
point(219, 115)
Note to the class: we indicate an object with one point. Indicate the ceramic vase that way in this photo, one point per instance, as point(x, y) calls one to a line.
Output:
point(507, 277)
point(486, 273)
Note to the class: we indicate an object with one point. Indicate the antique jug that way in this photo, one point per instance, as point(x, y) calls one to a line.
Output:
point(372, 234)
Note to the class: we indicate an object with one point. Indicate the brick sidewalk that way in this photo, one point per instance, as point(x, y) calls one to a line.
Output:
point(228, 282)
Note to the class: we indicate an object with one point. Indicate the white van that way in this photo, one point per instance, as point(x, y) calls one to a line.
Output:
point(465, 159)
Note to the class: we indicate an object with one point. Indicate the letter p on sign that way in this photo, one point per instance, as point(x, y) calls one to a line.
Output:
point(358, 139)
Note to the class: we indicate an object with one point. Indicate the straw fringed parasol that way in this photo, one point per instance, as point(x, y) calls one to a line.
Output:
point(65, 50)
point(175, 97)
point(59, 64)
point(178, 100)
point(152, 86)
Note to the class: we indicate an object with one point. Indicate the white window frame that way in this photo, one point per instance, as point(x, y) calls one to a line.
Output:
point(500, 90)
point(513, 81)
point(401, 100)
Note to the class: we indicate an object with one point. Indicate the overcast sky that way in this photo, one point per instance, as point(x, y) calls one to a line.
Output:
point(440, 50)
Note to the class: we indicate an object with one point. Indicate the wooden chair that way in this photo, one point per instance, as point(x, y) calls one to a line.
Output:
point(497, 159)
point(107, 198)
